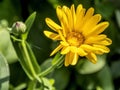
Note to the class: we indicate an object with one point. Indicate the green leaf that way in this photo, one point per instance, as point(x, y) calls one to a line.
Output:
point(115, 69)
point(117, 12)
point(32, 85)
point(6, 46)
point(61, 77)
point(56, 58)
point(4, 73)
point(101, 80)
point(21, 86)
point(86, 67)
point(48, 84)
point(29, 23)
point(46, 64)
point(27, 59)
point(33, 59)
point(22, 59)
point(105, 79)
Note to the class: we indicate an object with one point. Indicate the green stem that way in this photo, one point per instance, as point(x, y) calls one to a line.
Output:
point(29, 61)
point(27, 57)
point(16, 39)
point(48, 70)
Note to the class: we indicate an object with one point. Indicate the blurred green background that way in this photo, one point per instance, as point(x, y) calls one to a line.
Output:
point(66, 78)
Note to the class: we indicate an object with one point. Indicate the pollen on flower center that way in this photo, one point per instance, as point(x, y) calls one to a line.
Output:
point(75, 38)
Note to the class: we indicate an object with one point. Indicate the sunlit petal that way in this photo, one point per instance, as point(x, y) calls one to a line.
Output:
point(71, 57)
point(73, 49)
point(73, 15)
point(98, 28)
point(103, 48)
point(52, 35)
point(62, 36)
point(52, 24)
point(88, 48)
point(67, 59)
point(65, 50)
point(88, 14)
point(79, 18)
point(68, 17)
point(91, 23)
point(81, 52)
point(65, 20)
point(75, 59)
point(93, 39)
point(92, 57)
point(64, 43)
point(56, 50)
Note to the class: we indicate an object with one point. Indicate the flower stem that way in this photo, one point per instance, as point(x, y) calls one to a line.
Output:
point(48, 70)
point(24, 43)
point(27, 57)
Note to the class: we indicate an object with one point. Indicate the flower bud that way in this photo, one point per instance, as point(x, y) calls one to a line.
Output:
point(18, 28)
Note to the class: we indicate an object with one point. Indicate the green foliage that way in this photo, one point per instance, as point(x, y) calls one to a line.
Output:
point(86, 67)
point(118, 17)
point(27, 58)
point(4, 73)
point(101, 79)
point(28, 24)
point(6, 47)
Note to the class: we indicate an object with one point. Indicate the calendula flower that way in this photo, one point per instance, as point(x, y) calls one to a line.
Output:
point(80, 34)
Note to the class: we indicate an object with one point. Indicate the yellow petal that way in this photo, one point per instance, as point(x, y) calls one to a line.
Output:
point(99, 28)
point(65, 21)
point(98, 39)
point(56, 50)
point(107, 41)
point(65, 50)
point(88, 14)
point(81, 52)
point(71, 57)
point(63, 18)
point(94, 39)
point(59, 12)
point(88, 48)
point(78, 10)
point(67, 59)
point(95, 19)
point(73, 15)
point(79, 18)
point(62, 36)
point(52, 24)
point(103, 49)
point(52, 35)
point(64, 43)
point(92, 57)
point(68, 17)
point(75, 59)
point(77, 50)
point(73, 49)
point(91, 23)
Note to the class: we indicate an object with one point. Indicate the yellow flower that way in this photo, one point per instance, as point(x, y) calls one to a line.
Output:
point(79, 34)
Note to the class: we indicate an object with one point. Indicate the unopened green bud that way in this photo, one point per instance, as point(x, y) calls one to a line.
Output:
point(18, 28)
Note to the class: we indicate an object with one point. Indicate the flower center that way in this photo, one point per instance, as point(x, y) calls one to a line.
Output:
point(75, 38)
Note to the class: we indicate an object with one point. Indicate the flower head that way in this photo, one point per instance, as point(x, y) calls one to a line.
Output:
point(79, 34)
